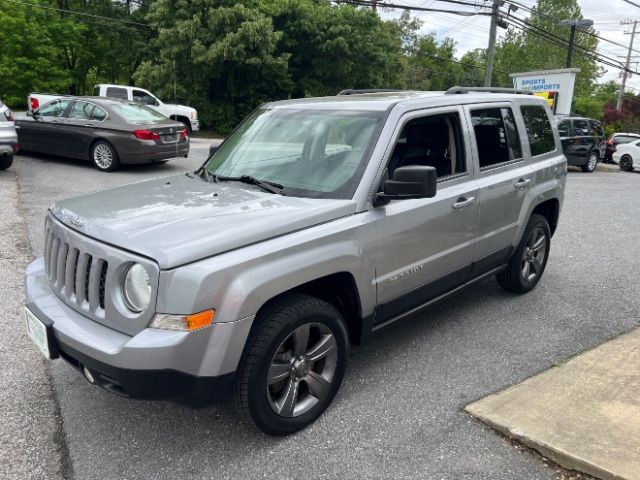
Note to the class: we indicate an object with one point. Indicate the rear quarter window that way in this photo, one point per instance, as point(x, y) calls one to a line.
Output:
point(115, 92)
point(539, 130)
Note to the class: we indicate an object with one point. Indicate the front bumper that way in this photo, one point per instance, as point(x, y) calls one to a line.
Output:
point(154, 363)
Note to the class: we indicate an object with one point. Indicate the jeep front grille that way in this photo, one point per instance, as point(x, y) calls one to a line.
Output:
point(74, 274)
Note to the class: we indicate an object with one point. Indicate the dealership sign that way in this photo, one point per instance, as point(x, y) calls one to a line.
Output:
point(555, 86)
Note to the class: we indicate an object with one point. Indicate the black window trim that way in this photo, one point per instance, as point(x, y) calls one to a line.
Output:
point(556, 145)
point(498, 105)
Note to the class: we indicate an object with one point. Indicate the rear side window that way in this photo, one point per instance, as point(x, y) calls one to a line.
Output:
point(581, 128)
point(496, 136)
point(624, 139)
point(539, 130)
point(81, 110)
point(98, 114)
point(116, 92)
point(564, 127)
point(596, 129)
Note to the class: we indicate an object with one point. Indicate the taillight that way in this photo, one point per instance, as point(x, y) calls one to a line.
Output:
point(610, 142)
point(35, 104)
point(184, 133)
point(146, 135)
point(9, 115)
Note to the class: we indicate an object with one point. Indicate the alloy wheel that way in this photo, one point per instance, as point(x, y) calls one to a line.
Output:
point(103, 156)
point(593, 161)
point(302, 370)
point(533, 254)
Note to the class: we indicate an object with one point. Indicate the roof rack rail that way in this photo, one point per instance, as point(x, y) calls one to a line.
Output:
point(351, 91)
point(459, 90)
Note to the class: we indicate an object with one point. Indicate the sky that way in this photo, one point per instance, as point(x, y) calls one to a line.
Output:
point(473, 32)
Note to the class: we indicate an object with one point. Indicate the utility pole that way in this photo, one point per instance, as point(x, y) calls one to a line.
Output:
point(626, 65)
point(572, 39)
point(491, 49)
point(374, 6)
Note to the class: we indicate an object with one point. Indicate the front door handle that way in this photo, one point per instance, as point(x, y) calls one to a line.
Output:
point(463, 202)
point(522, 183)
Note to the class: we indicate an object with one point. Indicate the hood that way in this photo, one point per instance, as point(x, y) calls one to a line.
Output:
point(177, 220)
point(182, 108)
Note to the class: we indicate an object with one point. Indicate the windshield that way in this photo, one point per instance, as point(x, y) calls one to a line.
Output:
point(132, 112)
point(310, 153)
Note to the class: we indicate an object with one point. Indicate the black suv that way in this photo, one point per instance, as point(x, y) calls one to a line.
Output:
point(582, 141)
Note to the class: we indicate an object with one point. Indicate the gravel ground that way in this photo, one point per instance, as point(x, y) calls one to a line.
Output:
point(399, 412)
point(30, 427)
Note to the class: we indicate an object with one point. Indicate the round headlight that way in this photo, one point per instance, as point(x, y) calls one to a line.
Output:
point(136, 288)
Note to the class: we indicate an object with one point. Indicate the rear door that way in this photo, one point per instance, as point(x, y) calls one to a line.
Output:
point(78, 129)
point(425, 246)
point(503, 175)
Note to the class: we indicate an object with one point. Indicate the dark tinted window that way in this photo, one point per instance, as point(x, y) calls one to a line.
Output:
point(496, 136)
point(596, 129)
point(54, 109)
point(564, 127)
point(581, 128)
point(143, 97)
point(432, 141)
point(96, 91)
point(116, 92)
point(539, 130)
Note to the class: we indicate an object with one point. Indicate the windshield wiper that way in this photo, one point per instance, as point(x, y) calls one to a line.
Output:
point(206, 175)
point(270, 187)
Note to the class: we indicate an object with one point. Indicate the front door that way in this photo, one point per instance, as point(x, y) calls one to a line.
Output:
point(425, 247)
point(44, 130)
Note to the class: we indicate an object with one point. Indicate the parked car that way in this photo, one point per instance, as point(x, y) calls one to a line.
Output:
point(582, 141)
point(615, 140)
point(316, 223)
point(106, 131)
point(8, 137)
point(627, 155)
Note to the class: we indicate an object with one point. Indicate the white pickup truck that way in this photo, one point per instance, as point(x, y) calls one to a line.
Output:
point(181, 113)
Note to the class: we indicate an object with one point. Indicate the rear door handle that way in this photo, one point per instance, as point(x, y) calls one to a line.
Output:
point(522, 183)
point(463, 202)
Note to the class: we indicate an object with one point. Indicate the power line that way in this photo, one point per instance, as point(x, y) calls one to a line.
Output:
point(631, 3)
point(83, 14)
point(369, 3)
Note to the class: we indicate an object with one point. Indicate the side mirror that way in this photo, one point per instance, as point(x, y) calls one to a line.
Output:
point(410, 182)
point(213, 149)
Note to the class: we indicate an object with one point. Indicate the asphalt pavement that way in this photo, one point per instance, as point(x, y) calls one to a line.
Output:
point(399, 413)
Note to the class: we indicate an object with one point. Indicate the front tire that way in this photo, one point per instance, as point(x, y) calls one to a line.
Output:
point(591, 164)
point(6, 162)
point(528, 262)
point(104, 157)
point(293, 364)
point(626, 163)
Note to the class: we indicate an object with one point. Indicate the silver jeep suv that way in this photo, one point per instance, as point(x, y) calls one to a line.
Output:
point(316, 223)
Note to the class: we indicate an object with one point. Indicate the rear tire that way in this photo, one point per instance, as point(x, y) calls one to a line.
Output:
point(104, 157)
point(292, 365)
point(6, 162)
point(626, 163)
point(591, 164)
point(528, 262)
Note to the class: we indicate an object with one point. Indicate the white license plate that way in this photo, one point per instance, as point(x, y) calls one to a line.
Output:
point(38, 333)
point(170, 138)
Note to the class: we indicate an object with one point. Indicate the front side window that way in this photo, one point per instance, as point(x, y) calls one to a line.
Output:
point(596, 129)
point(432, 141)
point(311, 153)
point(497, 136)
point(54, 109)
point(134, 113)
point(539, 130)
point(143, 98)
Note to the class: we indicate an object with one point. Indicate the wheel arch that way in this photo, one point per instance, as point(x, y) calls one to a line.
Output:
point(183, 119)
point(340, 290)
point(549, 209)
